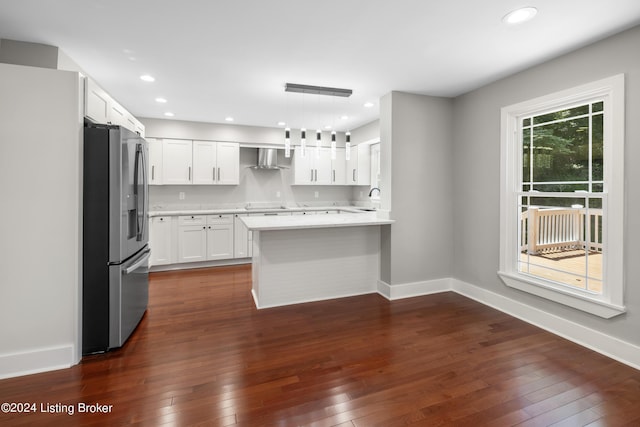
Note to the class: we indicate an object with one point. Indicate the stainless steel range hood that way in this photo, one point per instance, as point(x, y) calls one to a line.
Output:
point(267, 159)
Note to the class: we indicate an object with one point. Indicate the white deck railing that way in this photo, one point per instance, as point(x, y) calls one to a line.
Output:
point(559, 229)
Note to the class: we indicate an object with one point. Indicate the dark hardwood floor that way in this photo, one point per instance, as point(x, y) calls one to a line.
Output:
point(203, 355)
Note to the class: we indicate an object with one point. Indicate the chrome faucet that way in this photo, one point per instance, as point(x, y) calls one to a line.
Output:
point(374, 188)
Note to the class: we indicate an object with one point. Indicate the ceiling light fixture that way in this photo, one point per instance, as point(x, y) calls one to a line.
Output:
point(147, 78)
point(317, 90)
point(368, 104)
point(281, 123)
point(303, 142)
point(228, 119)
point(161, 100)
point(519, 16)
point(333, 145)
point(169, 114)
point(347, 146)
point(318, 142)
point(287, 143)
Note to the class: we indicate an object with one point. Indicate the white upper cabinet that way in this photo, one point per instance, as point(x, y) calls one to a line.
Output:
point(228, 157)
point(97, 103)
point(339, 168)
point(216, 163)
point(100, 107)
point(155, 161)
point(204, 162)
point(177, 165)
point(314, 168)
point(187, 162)
point(359, 165)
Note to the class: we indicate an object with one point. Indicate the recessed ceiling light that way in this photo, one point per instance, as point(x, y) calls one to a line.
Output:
point(344, 117)
point(161, 100)
point(368, 104)
point(169, 114)
point(147, 78)
point(281, 123)
point(229, 119)
point(327, 126)
point(519, 16)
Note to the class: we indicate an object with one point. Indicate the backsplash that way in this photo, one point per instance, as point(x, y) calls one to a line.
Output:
point(258, 188)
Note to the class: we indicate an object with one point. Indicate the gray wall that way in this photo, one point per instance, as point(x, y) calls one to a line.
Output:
point(41, 219)
point(416, 134)
point(476, 171)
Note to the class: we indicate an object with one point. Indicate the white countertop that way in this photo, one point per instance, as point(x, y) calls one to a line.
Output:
point(176, 212)
point(290, 222)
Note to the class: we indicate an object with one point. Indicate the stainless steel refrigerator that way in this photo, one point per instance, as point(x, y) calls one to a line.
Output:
point(115, 236)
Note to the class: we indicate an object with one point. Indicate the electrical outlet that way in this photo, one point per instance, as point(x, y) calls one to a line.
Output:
point(316, 194)
point(181, 195)
point(277, 194)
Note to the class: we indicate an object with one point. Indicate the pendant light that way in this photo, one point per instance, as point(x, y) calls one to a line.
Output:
point(287, 142)
point(347, 146)
point(318, 142)
point(303, 142)
point(333, 145)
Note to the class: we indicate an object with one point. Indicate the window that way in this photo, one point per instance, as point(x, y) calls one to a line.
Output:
point(562, 208)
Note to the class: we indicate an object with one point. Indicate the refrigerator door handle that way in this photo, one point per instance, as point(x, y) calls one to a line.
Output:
point(141, 196)
point(138, 263)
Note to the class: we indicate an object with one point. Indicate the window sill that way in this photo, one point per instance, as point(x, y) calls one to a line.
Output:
point(565, 297)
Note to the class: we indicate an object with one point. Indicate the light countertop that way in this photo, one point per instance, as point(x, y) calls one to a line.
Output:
point(176, 212)
point(290, 222)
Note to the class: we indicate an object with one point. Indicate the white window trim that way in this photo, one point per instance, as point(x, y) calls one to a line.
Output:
point(611, 302)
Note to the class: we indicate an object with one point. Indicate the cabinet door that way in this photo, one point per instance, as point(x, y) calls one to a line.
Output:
point(352, 166)
point(176, 161)
point(242, 247)
point(219, 241)
point(302, 166)
point(117, 115)
point(204, 162)
point(97, 102)
point(228, 167)
point(339, 168)
point(192, 243)
point(161, 241)
point(364, 164)
point(323, 172)
point(155, 161)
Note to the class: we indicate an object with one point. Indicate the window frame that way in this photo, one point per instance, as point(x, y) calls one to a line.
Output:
point(611, 302)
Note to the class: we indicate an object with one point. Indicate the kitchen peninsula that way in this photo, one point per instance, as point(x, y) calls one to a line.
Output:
point(308, 258)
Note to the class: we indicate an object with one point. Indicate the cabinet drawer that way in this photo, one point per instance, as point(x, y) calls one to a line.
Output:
point(219, 219)
point(192, 220)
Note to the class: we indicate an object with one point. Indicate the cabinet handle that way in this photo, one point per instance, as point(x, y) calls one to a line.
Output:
point(311, 179)
point(189, 173)
point(354, 175)
point(153, 172)
point(218, 174)
point(213, 172)
point(316, 175)
point(334, 175)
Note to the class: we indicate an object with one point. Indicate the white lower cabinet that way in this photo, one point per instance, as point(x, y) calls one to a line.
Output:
point(192, 238)
point(205, 237)
point(242, 237)
point(162, 241)
point(219, 237)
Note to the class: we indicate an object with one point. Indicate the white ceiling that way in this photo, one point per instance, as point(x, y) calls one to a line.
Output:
point(213, 59)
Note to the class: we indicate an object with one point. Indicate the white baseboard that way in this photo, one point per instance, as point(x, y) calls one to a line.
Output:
point(199, 264)
point(413, 289)
point(33, 362)
point(612, 347)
